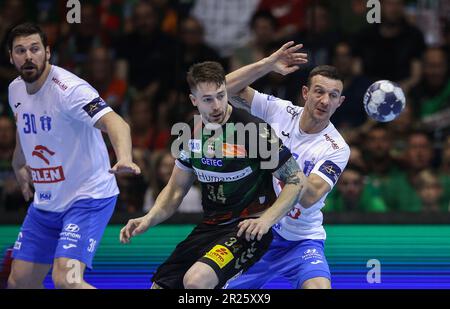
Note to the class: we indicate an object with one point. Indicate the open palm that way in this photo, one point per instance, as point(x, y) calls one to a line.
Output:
point(286, 60)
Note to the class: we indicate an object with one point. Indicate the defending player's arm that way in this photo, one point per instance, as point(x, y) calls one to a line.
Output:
point(165, 206)
point(289, 173)
point(313, 190)
point(22, 171)
point(294, 182)
point(284, 61)
point(119, 134)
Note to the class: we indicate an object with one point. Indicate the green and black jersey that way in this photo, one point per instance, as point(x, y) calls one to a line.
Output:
point(232, 164)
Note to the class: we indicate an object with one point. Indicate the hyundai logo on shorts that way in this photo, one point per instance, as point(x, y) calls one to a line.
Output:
point(73, 228)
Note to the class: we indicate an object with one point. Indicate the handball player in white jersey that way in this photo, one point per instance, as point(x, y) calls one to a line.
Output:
point(61, 164)
point(297, 251)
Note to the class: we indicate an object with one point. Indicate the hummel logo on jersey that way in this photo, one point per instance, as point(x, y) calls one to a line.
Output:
point(69, 246)
point(17, 105)
point(285, 134)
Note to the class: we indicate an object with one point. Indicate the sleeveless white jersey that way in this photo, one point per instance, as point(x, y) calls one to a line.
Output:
point(324, 153)
point(65, 152)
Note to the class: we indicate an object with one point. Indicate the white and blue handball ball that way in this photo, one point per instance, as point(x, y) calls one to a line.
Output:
point(384, 100)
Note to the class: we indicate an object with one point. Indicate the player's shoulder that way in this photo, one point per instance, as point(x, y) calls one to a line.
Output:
point(17, 83)
point(281, 109)
point(336, 141)
point(242, 116)
point(275, 101)
point(67, 83)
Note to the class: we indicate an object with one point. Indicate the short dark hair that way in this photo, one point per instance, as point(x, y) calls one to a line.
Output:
point(205, 72)
point(326, 71)
point(26, 29)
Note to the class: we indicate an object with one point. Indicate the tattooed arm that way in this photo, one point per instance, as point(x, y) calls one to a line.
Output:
point(294, 182)
point(241, 103)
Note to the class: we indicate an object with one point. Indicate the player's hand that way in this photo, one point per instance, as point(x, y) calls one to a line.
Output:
point(134, 227)
point(125, 167)
point(26, 184)
point(253, 228)
point(286, 60)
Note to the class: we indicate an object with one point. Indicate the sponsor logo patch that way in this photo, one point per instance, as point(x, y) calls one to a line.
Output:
point(212, 162)
point(233, 151)
point(208, 176)
point(69, 246)
point(220, 255)
point(45, 196)
point(47, 175)
point(334, 145)
point(195, 145)
point(95, 106)
point(59, 83)
point(331, 170)
point(293, 111)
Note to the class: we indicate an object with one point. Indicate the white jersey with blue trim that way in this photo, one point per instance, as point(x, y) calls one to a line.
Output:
point(325, 154)
point(66, 154)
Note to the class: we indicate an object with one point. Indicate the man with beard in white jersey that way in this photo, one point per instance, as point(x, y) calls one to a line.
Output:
point(61, 156)
point(297, 251)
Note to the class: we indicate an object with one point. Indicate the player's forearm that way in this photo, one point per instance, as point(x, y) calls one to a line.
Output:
point(315, 188)
point(120, 137)
point(245, 76)
point(18, 160)
point(165, 206)
point(285, 202)
point(294, 180)
point(309, 197)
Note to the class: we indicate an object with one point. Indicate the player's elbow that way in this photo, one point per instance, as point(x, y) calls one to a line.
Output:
point(307, 202)
point(111, 122)
point(310, 195)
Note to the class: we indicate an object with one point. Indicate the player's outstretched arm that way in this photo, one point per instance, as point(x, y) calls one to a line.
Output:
point(289, 173)
point(119, 135)
point(165, 206)
point(284, 61)
point(22, 171)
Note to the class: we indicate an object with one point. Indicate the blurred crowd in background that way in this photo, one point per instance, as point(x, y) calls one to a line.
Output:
point(136, 54)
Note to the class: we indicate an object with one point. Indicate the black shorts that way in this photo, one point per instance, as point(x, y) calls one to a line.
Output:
point(215, 245)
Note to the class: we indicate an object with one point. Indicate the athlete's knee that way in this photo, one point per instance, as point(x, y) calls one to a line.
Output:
point(60, 280)
point(21, 281)
point(66, 275)
point(200, 279)
point(317, 283)
point(195, 281)
point(26, 275)
point(15, 283)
